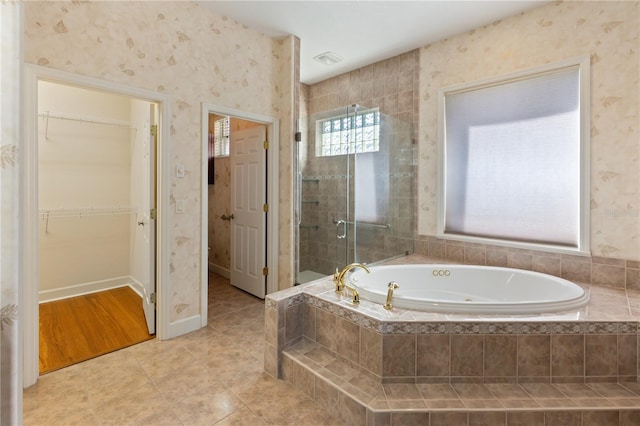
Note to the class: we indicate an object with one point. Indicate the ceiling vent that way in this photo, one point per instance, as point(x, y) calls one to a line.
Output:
point(327, 58)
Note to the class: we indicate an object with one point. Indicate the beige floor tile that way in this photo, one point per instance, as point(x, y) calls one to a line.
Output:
point(214, 375)
point(141, 406)
point(242, 417)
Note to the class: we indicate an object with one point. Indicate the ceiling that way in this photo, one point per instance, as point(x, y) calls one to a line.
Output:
point(363, 32)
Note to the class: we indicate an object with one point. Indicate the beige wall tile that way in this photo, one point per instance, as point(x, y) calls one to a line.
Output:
point(525, 418)
point(534, 356)
point(601, 355)
point(501, 355)
point(627, 355)
point(567, 355)
point(399, 355)
point(348, 340)
point(433, 355)
point(466, 355)
point(325, 329)
point(371, 351)
point(294, 322)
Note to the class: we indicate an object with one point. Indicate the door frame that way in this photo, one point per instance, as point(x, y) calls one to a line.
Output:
point(32, 74)
point(273, 132)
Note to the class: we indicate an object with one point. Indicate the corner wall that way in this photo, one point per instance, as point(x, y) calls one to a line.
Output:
point(608, 33)
point(187, 52)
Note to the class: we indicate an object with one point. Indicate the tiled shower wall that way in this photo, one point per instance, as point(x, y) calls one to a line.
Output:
point(391, 86)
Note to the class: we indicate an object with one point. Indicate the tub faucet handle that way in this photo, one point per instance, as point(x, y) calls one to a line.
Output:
point(392, 286)
point(356, 295)
point(339, 280)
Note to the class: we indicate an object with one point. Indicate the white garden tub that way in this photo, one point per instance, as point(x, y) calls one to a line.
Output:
point(469, 289)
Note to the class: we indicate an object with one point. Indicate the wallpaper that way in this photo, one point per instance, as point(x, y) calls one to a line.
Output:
point(608, 33)
point(11, 165)
point(193, 55)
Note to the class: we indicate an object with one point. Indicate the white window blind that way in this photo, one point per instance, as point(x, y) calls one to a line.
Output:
point(221, 137)
point(513, 160)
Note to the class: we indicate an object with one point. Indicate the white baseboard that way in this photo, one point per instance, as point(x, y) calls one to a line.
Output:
point(137, 286)
point(85, 288)
point(183, 326)
point(219, 270)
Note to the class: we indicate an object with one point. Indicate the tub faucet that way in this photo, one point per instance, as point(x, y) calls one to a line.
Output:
point(392, 286)
point(356, 295)
point(339, 278)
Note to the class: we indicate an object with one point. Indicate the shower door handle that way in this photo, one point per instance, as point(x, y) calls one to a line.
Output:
point(344, 229)
point(299, 194)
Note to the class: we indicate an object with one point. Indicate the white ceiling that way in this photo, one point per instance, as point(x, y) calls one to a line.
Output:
point(365, 31)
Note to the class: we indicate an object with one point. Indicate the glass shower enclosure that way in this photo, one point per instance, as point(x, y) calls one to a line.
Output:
point(355, 190)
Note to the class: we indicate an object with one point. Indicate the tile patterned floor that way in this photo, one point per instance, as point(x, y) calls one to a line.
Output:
point(213, 376)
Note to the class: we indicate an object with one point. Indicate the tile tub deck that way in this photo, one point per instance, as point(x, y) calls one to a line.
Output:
point(385, 367)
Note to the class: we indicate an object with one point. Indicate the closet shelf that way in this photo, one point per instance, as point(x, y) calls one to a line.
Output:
point(85, 118)
point(85, 211)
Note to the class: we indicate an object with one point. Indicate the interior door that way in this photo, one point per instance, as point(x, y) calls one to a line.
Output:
point(143, 184)
point(248, 225)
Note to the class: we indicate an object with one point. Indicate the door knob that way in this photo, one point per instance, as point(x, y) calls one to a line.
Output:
point(225, 217)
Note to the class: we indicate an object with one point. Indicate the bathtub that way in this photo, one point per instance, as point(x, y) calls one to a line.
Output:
point(469, 289)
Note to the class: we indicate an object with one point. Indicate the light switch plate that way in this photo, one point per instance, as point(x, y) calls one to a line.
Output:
point(180, 170)
point(179, 206)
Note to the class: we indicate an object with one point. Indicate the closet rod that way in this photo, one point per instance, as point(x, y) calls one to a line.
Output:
point(85, 211)
point(84, 118)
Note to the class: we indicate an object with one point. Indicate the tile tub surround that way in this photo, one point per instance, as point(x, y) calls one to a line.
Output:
point(597, 270)
point(596, 345)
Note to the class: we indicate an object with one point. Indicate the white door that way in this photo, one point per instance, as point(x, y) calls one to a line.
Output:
point(143, 184)
point(248, 166)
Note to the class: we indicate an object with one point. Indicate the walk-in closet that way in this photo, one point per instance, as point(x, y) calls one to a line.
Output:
point(96, 180)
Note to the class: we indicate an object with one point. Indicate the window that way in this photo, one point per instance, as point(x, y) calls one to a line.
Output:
point(221, 137)
point(514, 157)
point(357, 133)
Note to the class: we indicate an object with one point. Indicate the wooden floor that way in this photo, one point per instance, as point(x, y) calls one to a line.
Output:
point(80, 328)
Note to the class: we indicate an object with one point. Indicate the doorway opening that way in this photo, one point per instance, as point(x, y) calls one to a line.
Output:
point(96, 197)
point(239, 217)
point(94, 201)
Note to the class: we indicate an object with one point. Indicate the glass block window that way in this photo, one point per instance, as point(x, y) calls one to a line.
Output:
point(351, 134)
point(221, 137)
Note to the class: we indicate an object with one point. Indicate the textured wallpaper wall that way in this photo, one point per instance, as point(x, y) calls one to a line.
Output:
point(193, 55)
point(605, 31)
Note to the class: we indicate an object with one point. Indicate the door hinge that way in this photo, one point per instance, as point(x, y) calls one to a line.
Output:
point(265, 207)
point(265, 271)
point(265, 144)
point(152, 298)
point(298, 137)
point(154, 130)
point(152, 214)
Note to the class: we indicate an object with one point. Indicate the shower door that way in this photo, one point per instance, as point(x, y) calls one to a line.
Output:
point(323, 195)
point(354, 190)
